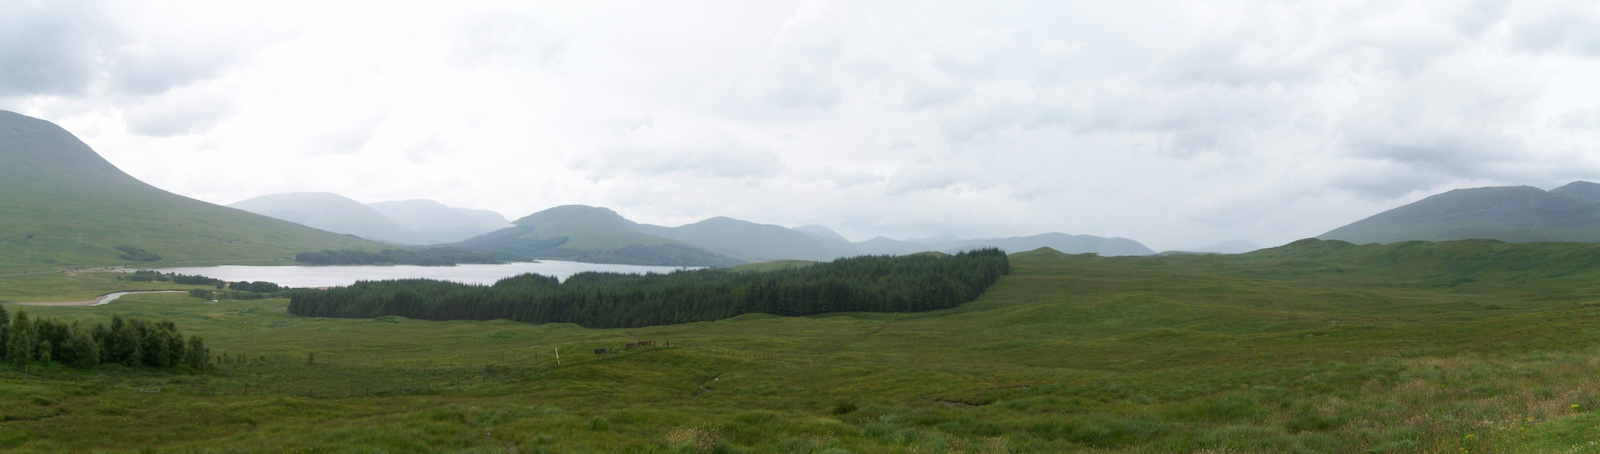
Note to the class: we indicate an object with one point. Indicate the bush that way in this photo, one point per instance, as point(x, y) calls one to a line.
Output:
point(134, 254)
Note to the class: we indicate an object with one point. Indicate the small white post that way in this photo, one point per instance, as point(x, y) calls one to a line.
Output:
point(558, 356)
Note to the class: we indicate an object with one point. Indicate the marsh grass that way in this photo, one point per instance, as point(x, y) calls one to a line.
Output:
point(1251, 354)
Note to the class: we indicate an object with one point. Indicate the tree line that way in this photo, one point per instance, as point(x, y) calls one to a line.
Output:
point(157, 276)
point(131, 342)
point(611, 300)
point(243, 286)
point(420, 257)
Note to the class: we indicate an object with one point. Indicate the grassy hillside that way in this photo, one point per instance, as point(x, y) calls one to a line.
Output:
point(1516, 214)
point(591, 234)
point(1318, 346)
point(62, 205)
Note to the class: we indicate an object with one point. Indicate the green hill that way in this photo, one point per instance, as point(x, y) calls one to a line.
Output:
point(61, 204)
point(590, 234)
point(1511, 213)
point(331, 212)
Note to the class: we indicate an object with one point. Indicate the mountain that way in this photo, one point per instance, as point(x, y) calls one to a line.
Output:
point(439, 223)
point(590, 234)
point(331, 212)
point(61, 204)
point(1570, 213)
point(1070, 244)
point(1581, 190)
point(748, 241)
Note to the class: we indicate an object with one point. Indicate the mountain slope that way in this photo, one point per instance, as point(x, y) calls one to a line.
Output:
point(63, 204)
point(332, 212)
point(1508, 213)
point(747, 241)
point(590, 234)
point(439, 223)
point(1581, 190)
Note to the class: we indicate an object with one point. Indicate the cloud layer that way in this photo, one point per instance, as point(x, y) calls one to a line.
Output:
point(1174, 123)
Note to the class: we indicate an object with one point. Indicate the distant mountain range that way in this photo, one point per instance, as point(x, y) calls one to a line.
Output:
point(1515, 214)
point(410, 222)
point(62, 204)
point(588, 233)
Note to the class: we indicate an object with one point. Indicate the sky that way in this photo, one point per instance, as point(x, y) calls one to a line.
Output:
point(1174, 123)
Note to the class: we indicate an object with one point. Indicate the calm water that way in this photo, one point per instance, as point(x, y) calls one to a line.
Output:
point(332, 276)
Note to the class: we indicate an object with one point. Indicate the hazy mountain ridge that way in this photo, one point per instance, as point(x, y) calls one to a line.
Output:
point(747, 241)
point(590, 234)
point(331, 212)
point(62, 203)
point(580, 232)
point(439, 223)
point(1065, 243)
point(1570, 213)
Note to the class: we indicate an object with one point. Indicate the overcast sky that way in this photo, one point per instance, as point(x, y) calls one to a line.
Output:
point(1177, 124)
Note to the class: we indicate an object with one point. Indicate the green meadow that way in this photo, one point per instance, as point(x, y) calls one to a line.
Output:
point(1318, 346)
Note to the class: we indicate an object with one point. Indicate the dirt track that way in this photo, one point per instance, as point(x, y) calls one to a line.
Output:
point(94, 302)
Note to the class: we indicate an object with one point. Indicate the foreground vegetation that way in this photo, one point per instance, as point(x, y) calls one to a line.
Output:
point(607, 300)
point(1314, 347)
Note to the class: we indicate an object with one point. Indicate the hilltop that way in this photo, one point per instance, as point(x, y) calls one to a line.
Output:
point(65, 205)
point(590, 234)
point(1510, 213)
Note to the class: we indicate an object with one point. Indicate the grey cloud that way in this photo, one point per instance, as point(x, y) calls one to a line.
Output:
point(179, 112)
point(933, 96)
point(932, 176)
point(1377, 181)
point(847, 179)
point(1558, 26)
point(70, 48)
point(156, 67)
point(429, 146)
point(625, 126)
point(1432, 156)
point(972, 125)
point(504, 36)
point(801, 58)
point(1229, 64)
point(344, 137)
point(1580, 120)
point(48, 47)
point(712, 157)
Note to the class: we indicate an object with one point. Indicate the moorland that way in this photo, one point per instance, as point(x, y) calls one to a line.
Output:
point(1316, 346)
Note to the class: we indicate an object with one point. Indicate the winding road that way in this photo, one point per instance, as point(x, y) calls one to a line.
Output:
point(94, 302)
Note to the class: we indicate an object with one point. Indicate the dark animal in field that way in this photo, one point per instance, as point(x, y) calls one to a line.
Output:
point(602, 351)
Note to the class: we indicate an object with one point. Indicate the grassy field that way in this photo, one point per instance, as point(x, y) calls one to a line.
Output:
point(1315, 347)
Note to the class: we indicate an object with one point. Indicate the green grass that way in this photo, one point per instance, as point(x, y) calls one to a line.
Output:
point(1318, 347)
